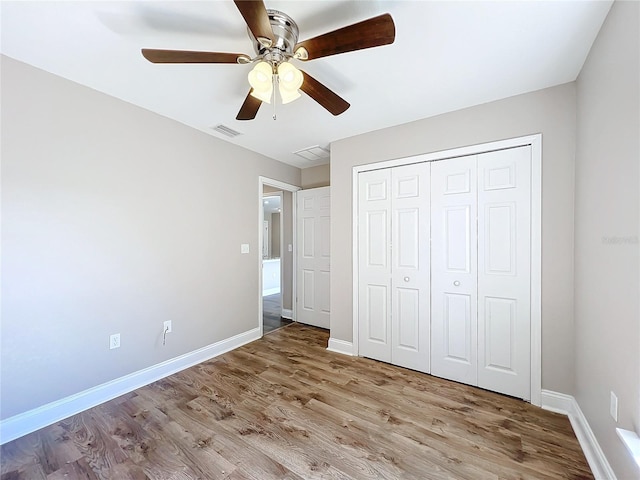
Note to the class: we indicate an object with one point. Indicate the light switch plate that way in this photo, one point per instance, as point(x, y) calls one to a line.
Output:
point(244, 248)
point(613, 408)
point(114, 341)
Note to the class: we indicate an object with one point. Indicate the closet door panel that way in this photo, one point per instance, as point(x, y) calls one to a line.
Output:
point(504, 272)
point(374, 264)
point(410, 318)
point(456, 328)
point(454, 331)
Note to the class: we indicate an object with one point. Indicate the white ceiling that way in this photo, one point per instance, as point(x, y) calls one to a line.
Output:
point(447, 56)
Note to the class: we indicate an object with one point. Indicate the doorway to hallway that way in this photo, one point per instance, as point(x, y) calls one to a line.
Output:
point(277, 256)
point(272, 318)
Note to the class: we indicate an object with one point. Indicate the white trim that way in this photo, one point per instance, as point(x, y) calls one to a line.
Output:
point(288, 314)
point(567, 405)
point(32, 420)
point(355, 258)
point(453, 153)
point(535, 141)
point(340, 346)
point(278, 184)
point(631, 440)
point(262, 181)
point(283, 250)
point(536, 269)
point(557, 402)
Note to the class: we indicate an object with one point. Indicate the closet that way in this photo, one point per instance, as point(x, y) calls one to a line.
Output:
point(444, 268)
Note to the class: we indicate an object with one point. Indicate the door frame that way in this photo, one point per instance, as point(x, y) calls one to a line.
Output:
point(287, 187)
point(535, 142)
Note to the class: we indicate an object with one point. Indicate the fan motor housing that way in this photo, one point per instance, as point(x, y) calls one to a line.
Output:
point(285, 32)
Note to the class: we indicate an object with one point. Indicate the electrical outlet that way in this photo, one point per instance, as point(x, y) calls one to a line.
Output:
point(114, 341)
point(167, 326)
point(613, 407)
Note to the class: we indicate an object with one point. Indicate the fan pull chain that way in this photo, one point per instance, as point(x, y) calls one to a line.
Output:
point(273, 90)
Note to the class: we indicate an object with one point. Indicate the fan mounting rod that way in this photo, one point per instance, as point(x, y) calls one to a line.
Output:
point(285, 32)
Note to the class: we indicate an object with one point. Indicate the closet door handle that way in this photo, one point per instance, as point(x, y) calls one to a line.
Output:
point(456, 283)
point(406, 279)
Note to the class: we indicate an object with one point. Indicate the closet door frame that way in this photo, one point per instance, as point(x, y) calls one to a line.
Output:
point(535, 141)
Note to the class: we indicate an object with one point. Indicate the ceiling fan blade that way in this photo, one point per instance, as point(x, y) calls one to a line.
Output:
point(373, 32)
point(321, 94)
point(249, 108)
point(255, 15)
point(185, 56)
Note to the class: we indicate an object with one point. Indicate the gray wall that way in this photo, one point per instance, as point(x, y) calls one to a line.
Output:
point(275, 235)
point(550, 112)
point(607, 283)
point(111, 222)
point(313, 177)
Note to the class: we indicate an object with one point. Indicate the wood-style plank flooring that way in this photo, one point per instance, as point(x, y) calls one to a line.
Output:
point(272, 313)
point(284, 407)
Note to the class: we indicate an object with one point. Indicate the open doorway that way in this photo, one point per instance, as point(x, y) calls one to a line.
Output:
point(272, 260)
point(277, 231)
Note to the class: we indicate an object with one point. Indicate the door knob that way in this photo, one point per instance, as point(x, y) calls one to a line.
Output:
point(406, 279)
point(456, 283)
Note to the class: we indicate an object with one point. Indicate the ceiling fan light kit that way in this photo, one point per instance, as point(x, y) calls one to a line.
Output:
point(275, 40)
point(262, 78)
point(289, 82)
point(261, 81)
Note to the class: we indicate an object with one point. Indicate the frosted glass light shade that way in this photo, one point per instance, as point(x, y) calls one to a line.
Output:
point(289, 81)
point(261, 81)
point(262, 96)
point(287, 96)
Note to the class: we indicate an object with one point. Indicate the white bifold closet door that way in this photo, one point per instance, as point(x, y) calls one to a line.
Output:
point(393, 245)
point(454, 273)
point(444, 268)
point(504, 271)
point(481, 255)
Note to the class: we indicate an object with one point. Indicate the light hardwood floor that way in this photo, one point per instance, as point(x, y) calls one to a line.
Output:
point(284, 407)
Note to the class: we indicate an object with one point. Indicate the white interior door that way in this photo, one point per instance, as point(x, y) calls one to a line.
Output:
point(454, 327)
point(374, 264)
point(410, 271)
point(313, 256)
point(504, 271)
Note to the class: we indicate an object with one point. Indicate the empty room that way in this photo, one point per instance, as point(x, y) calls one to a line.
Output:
point(320, 239)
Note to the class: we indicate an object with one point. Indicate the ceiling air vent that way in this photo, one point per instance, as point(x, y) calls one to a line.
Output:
point(313, 154)
point(226, 131)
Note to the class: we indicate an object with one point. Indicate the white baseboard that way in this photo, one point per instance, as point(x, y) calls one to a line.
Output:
point(567, 405)
point(270, 291)
point(340, 346)
point(288, 314)
point(32, 420)
point(557, 402)
point(631, 440)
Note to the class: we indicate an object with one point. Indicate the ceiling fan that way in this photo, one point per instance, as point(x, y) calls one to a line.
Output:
point(275, 40)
